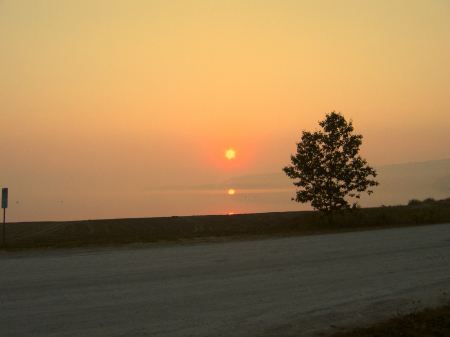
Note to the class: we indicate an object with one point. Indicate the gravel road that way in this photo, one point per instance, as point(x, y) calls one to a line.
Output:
point(275, 287)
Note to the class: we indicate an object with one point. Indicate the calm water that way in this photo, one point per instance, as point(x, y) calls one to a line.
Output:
point(83, 206)
point(141, 204)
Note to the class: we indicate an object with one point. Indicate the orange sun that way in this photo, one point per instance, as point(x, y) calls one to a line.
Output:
point(230, 154)
point(231, 191)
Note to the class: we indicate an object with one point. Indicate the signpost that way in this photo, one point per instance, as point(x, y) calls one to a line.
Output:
point(4, 206)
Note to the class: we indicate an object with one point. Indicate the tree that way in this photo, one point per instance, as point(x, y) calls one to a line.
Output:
point(329, 167)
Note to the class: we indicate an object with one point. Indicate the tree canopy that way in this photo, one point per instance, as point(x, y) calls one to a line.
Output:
point(329, 168)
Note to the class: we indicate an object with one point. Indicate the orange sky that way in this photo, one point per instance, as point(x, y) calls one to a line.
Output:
point(115, 95)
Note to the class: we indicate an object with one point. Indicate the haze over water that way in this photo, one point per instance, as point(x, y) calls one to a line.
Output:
point(127, 109)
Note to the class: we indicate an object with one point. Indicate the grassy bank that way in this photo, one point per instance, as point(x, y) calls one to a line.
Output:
point(217, 227)
point(417, 213)
point(425, 323)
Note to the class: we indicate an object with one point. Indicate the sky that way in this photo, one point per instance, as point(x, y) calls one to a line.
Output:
point(115, 97)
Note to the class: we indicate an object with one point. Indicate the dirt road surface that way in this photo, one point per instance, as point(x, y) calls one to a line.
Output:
point(292, 286)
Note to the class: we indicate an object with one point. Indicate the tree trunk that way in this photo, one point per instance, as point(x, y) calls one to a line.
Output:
point(330, 217)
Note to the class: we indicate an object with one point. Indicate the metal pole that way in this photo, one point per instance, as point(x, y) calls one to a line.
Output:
point(4, 206)
point(4, 213)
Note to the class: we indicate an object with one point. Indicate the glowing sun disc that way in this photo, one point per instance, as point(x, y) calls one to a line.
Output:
point(231, 191)
point(230, 154)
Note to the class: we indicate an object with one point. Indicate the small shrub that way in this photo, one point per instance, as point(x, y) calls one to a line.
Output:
point(429, 201)
point(414, 202)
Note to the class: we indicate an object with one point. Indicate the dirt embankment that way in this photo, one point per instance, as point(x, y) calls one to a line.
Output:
point(147, 229)
point(219, 227)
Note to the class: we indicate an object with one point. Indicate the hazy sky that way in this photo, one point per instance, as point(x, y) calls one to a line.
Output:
point(117, 95)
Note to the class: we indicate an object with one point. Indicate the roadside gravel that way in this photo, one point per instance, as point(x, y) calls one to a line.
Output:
point(292, 286)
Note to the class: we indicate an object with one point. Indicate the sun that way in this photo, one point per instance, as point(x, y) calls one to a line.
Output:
point(231, 191)
point(230, 154)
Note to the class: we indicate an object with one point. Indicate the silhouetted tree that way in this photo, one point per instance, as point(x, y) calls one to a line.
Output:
point(329, 168)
